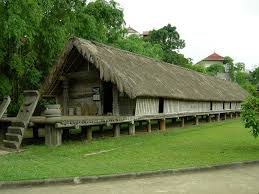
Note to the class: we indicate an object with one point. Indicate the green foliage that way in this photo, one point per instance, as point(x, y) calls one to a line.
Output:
point(199, 68)
point(175, 58)
point(136, 44)
point(5, 85)
point(255, 76)
point(33, 33)
point(169, 40)
point(250, 114)
point(215, 68)
point(167, 37)
point(109, 17)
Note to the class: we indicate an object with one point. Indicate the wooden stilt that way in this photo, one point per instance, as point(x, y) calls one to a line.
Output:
point(53, 136)
point(116, 128)
point(132, 128)
point(218, 117)
point(162, 124)
point(197, 120)
point(182, 122)
point(209, 118)
point(89, 134)
point(149, 126)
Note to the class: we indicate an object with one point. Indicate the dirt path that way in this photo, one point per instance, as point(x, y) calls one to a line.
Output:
point(236, 180)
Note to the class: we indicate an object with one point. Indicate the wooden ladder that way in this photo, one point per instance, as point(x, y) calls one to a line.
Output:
point(15, 132)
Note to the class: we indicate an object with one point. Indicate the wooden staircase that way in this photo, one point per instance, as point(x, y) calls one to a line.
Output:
point(15, 132)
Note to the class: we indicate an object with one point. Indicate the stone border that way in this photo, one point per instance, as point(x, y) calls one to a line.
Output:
point(116, 177)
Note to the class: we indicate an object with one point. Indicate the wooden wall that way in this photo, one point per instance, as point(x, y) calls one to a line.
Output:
point(80, 91)
point(146, 106)
point(126, 105)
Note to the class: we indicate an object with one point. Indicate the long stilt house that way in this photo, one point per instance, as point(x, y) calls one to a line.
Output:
point(97, 79)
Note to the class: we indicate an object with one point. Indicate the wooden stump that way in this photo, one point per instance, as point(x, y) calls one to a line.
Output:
point(53, 136)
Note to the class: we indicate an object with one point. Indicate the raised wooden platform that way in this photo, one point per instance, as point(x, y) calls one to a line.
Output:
point(55, 125)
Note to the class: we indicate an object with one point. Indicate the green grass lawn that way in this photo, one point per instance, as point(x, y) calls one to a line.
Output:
point(202, 145)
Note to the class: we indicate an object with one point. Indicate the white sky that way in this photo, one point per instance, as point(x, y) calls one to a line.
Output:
point(229, 27)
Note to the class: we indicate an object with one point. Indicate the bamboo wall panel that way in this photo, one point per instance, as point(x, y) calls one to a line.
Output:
point(146, 106)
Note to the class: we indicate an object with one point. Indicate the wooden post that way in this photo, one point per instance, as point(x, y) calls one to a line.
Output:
point(89, 134)
point(182, 122)
point(115, 100)
point(218, 117)
point(65, 97)
point(132, 128)
point(53, 136)
point(101, 130)
point(162, 124)
point(116, 128)
point(236, 115)
point(209, 118)
point(231, 115)
point(197, 120)
point(149, 126)
point(225, 116)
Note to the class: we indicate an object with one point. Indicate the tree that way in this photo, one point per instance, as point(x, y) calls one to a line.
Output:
point(169, 40)
point(250, 114)
point(33, 33)
point(230, 62)
point(167, 37)
point(215, 68)
point(199, 68)
point(175, 58)
point(136, 44)
point(255, 76)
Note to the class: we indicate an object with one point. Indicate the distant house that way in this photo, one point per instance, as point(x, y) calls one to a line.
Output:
point(215, 58)
point(211, 59)
point(132, 31)
point(145, 34)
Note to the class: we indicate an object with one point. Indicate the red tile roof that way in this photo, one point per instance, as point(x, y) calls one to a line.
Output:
point(214, 57)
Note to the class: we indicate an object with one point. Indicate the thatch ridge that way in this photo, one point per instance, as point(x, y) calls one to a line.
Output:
point(138, 75)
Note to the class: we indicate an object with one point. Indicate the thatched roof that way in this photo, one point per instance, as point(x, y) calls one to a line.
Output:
point(140, 76)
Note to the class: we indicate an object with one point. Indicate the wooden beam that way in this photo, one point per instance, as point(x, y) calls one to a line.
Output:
point(81, 75)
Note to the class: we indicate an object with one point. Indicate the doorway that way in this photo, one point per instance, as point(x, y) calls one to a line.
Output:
point(107, 97)
point(161, 105)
